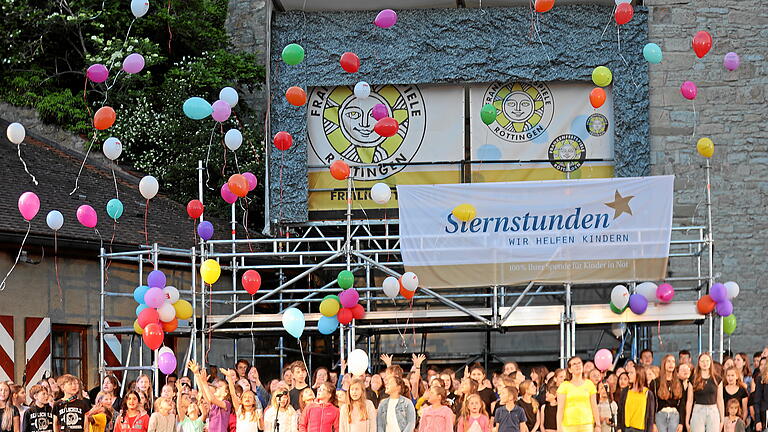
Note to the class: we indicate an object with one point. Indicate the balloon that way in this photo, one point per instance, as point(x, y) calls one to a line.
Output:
point(97, 73)
point(329, 307)
point(296, 96)
point(350, 62)
point(15, 133)
point(210, 271)
point(544, 5)
point(205, 230)
point(705, 305)
point(386, 127)
point(624, 13)
point(140, 308)
point(339, 170)
point(731, 62)
point(616, 310)
point(362, 90)
point(729, 324)
point(227, 194)
point(407, 294)
point(139, 292)
point(379, 111)
point(602, 76)
point(197, 108)
point(251, 281)
point(195, 208)
point(665, 293)
point(349, 298)
point(345, 279)
point(688, 90)
point(652, 53)
point(139, 7)
point(87, 217)
point(137, 328)
point(620, 297)
point(603, 360)
point(147, 315)
point(618, 2)
point(733, 289)
point(705, 147)
point(166, 312)
point(170, 326)
point(719, 293)
point(702, 42)
point(283, 140)
point(391, 287)
point(104, 118)
point(156, 278)
point(183, 309)
point(233, 139)
point(381, 193)
point(148, 186)
point(357, 362)
point(29, 205)
point(238, 185)
point(647, 290)
point(153, 336)
point(114, 208)
point(293, 54)
point(55, 220)
point(327, 324)
point(488, 113)
point(112, 148)
point(638, 304)
point(597, 97)
point(293, 322)
point(358, 312)
point(134, 63)
point(409, 281)
point(229, 95)
point(386, 18)
point(252, 180)
point(154, 297)
point(464, 212)
point(221, 111)
point(171, 294)
point(724, 308)
point(345, 316)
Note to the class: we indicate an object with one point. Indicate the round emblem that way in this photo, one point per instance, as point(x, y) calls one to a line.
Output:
point(41, 423)
point(71, 419)
point(597, 124)
point(564, 149)
point(523, 110)
point(340, 126)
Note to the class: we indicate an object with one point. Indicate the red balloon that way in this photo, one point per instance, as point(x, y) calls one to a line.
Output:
point(251, 281)
point(153, 336)
point(345, 316)
point(406, 293)
point(283, 140)
point(350, 62)
point(705, 305)
point(238, 185)
point(104, 118)
point(543, 5)
point(148, 316)
point(195, 208)
point(597, 96)
point(702, 43)
point(339, 170)
point(386, 127)
point(358, 312)
point(624, 13)
point(170, 326)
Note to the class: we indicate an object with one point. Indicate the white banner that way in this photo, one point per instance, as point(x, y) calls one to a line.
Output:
point(596, 230)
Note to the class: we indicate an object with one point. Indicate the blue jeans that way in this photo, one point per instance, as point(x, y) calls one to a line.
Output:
point(667, 421)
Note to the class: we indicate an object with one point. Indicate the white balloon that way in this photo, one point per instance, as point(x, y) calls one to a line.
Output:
point(233, 139)
point(112, 148)
point(171, 294)
point(229, 95)
point(15, 133)
point(357, 362)
point(54, 220)
point(620, 297)
point(164, 349)
point(167, 312)
point(410, 281)
point(362, 90)
point(139, 8)
point(647, 290)
point(148, 186)
point(733, 289)
point(618, 2)
point(381, 193)
point(391, 287)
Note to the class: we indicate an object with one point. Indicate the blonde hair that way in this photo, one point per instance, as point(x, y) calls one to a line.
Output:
point(524, 387)
point(360, 403)
point(7, 417)
point(242, 414)
point(739, 380)
point(465, 407)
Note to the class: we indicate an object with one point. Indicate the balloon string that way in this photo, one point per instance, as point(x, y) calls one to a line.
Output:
point(18, 151)
point(101, 240)
point(117, 192)
point(301, 350)
point(661, 342)
point(207, 157)
point(109, 261)
point(2, 284)
point(85, 99)
point(282, 162)
point(82, 165)
point(146, 232)
point(170, 33)
point(609, 22)
point(693, 102)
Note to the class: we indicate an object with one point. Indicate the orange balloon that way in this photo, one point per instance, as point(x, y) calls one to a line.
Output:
point(597, 97)
point(238, 185)
point(340, 170)
point(170, 326)
point(406, 293)
point(296, 96)
point(544, 5)
point(104, 118)
point(705, 305)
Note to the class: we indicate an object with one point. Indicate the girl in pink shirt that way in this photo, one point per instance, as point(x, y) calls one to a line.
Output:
point(323, 415)
point(437, 417)
point(473, 418)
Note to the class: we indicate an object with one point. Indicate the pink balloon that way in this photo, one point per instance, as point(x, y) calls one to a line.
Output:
point(665, 293)
point(349, 298)
point(731, 61)
point(221, 110)
point(154, 297)
point(97, 73)
point(166, 362)
point(689, 90)
point(603, 360)
point(227, 194)
point(386, 18)
point(252, 180)
point(379, 111)
point(29, 205)
point(134, 63)
point(86, 215)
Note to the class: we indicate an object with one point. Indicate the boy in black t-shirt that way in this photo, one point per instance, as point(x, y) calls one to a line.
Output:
point(299, 371)
point(39, 416)
point(69, 413)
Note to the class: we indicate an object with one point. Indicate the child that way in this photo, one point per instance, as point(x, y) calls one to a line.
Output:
point(323, 415)
point(191, 417)
point(281, 412)
point(69, 412)
point(9, 415)
point(163, 420)
point(220, 399)
point(733, 422)
point(509, 417)
point(299, 374)
point(100, 416)
point(474, 417)
point(396, 412)
point(437, 417)
point(307, 397)
point(548, 412)
point(606, 409)
point(248, 411)
point(166, 392)
point(132, 418)
point(358, 414)
point(529, 404)
point(39, 416)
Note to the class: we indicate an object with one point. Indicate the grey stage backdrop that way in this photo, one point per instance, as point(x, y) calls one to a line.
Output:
point(455, 46)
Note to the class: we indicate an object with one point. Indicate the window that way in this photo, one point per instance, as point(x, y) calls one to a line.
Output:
point(70, 353)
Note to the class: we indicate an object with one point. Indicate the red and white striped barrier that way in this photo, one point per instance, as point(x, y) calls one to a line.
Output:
point(113, 350)
point(37, 344)
point(7, 351)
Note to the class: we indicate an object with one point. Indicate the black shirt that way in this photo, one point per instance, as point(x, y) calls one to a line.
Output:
point(38, 419)
point(295, 395)
point(668, 403)
point(707, 395)
point(550, 415)
point(488, 396)
point(15, 414)
point(529, 414)
point(71, 414)
point(739, 395)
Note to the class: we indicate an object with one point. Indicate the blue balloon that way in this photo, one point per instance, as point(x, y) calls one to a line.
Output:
point(327, 325)
point(652, 53)
point(138, 293)
point(293, 322)
point(197, 108)
point(115, 208)
point(140, 308)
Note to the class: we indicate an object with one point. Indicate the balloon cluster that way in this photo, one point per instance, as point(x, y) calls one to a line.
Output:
point(198, 108)
point(406, 286)
point(341, 309)
point(237, 186)
point(638, 302)
point(720, 300)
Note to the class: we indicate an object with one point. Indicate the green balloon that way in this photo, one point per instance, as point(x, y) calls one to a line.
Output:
point(616, 310)
point(334, 297)
point(346, 279)
point(115, 208)
point(488, 113)
point(729, 324)
point(293, 54)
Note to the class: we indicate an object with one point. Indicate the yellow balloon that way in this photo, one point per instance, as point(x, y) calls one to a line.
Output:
point(210, 271)
point(705, 147)
point(602, 76)
point(465, 212)
point(136, 328)
point(183, 309)
point(329, 307)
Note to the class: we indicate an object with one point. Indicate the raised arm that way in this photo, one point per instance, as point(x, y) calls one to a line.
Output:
point(231, 379)
point(180, 411)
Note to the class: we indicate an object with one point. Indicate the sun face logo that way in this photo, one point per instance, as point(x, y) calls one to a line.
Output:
point(41, 423)
point(523, 110)
point(340, 126)
point(597, 124)
point(567, 148)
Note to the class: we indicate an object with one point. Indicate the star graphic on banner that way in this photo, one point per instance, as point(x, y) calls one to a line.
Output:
point(620, 205)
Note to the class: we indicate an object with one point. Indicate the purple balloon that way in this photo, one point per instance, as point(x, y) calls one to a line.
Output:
point(731, 61)
point(227, 194)
point(252, 180)
point(638, 304)
point(386, 18)
point(156, 279)
point(97, 73)
point(205, 230)
point(689, 90)
point(724, 308)
point(349, 298)
point(154, 297)
point(134, 63)
point(380, 111)
point(719, 293)
point(167, 363)
point(221, 110)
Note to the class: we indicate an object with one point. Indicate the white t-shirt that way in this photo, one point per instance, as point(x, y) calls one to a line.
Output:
point(392, 425)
